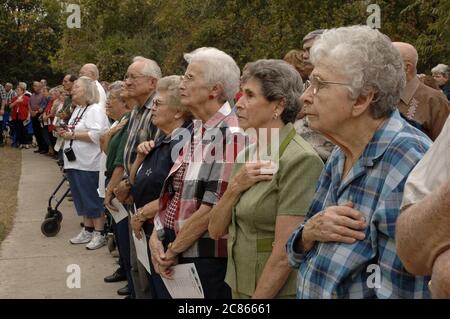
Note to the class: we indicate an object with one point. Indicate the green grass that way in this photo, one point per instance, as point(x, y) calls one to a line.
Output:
point(10, 169)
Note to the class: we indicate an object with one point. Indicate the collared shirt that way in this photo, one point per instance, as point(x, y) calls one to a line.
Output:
point(255, 213)
point(207, 173)
point(424, 105)
point(116, 147)
point(375, 186)
point(140, 129)
point(431, 172)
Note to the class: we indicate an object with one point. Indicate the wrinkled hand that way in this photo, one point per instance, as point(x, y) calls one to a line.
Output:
point(122, 192)
point(109, 196)
point(136, 225)
point(144, 148)
point(250, 174)
point(336, 224)
point(118, 127)
point(161, 263)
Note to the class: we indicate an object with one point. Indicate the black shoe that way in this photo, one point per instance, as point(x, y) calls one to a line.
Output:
point(129, 297)
point(124, 291)
point(43, 152)
point(115, 277)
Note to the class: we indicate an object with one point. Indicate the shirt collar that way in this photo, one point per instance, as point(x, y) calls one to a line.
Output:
point(410, 89)
point(382, 139)
point(217, 118)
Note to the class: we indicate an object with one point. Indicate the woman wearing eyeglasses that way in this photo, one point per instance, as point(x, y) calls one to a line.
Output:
point(345, 248)
point(271, 187)
point(154, 158)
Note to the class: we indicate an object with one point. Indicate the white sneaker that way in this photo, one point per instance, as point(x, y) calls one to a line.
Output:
point(97, 241)
point(83, 237)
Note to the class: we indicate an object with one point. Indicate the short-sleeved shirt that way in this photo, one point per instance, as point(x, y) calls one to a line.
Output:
point(431, 172)
point(95, 122)
point(374, 185)
point(116, 147)
point(254, 215)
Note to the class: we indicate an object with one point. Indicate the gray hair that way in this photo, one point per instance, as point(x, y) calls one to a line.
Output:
point(219, 67)
point(151, 68)
point(279, 80)
point(441, 68)
point(313, 34)
point(115, 89)
point(22, 85)
point(90, 88)
point(171, 85)
point(370, 62)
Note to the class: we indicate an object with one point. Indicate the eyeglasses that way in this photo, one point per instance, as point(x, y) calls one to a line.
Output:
point(316, 83)
point(158, 103)
point(187, 78)
point(133, 77)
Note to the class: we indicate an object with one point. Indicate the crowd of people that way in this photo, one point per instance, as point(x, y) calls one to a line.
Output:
point(295, 179)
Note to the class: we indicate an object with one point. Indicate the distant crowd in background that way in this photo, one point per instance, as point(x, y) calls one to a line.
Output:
point(360, 174)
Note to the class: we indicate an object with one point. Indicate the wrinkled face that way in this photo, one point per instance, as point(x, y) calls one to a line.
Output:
point(78, 93)
point(163, 115)
point(19, 90)
point(253, 109)
point(193, 87)
point(440, 78)
point(115, 107)
point(331, 106)
point(136, 84)
point(67, 84)
point(8, 87)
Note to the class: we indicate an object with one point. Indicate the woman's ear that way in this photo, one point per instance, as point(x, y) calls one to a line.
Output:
point(362, 103)
point(217, 90)
point(280, 106)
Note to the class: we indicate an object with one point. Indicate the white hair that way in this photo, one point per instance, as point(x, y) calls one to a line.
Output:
point(90, 90)
point(219, 67)
point(370, 62)
point(441, 68)
point(151, 68)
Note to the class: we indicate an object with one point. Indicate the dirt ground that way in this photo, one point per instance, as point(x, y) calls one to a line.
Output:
point(10, 168)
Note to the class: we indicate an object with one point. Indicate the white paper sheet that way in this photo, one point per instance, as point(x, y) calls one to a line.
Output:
point(185, 283)
point(121, 214)
point(141, 250)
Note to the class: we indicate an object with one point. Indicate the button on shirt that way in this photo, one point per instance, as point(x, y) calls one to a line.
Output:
point(375, 186)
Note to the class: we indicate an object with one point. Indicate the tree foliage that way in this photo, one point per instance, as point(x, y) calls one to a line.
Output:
point(113, 31)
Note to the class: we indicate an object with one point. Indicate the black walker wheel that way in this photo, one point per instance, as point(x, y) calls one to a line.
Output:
point(54, 213)
point(50, 227)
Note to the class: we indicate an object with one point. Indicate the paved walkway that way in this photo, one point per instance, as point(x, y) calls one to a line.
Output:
point(35, 266)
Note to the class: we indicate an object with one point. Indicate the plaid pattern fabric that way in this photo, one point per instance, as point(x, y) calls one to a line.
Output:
point(140, 129)
point(174, 202)
point(215, 144)
point(2, 93)
point(375, 186)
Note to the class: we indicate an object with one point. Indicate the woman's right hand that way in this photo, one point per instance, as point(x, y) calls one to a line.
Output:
point(335, 224)
point(144, 148)
point(250, 174)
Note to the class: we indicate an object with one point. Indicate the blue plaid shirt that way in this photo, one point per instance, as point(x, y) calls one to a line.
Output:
point(375, 186)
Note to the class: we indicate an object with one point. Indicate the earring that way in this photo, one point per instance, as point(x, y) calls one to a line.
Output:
point(275, 116)
point(211, 97)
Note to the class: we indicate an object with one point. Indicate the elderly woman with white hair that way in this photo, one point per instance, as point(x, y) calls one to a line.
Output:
point(440, 73)
point(82, 158)
point(200, 174)
point(345, 248)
